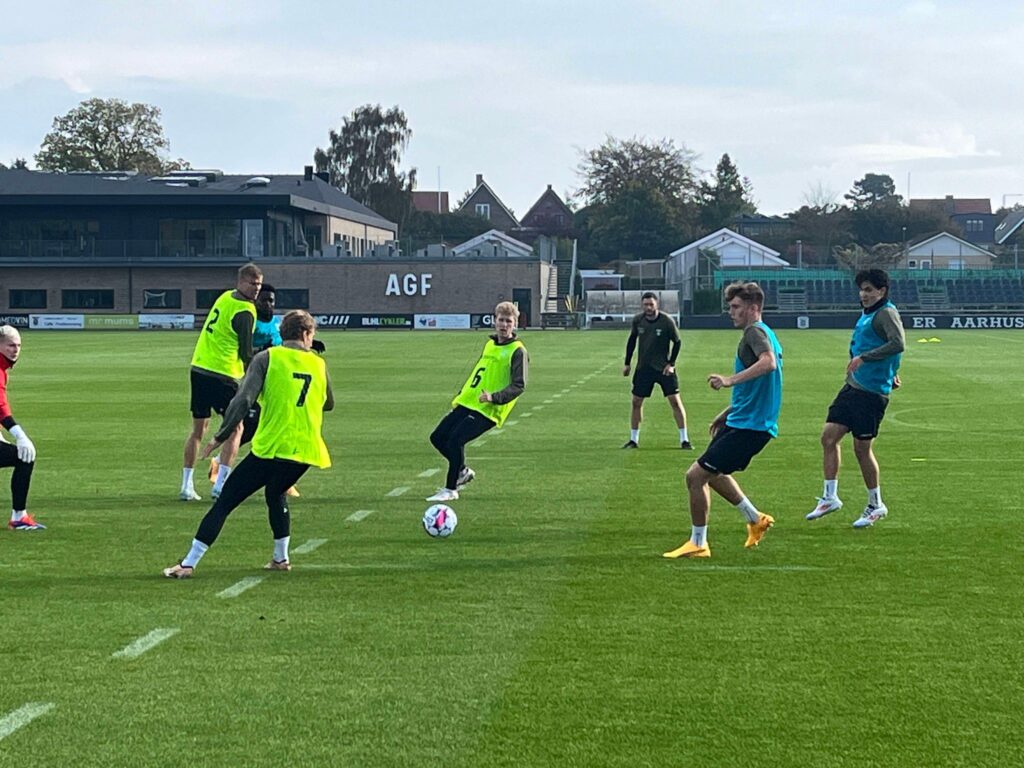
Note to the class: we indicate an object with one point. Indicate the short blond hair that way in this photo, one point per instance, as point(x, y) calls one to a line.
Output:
point(9, 332)
point(250, 271)
point(508, 309)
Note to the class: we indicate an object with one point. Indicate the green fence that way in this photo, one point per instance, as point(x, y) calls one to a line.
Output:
point(726, 276)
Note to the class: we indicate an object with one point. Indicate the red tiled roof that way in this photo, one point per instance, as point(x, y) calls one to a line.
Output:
point(428, 201)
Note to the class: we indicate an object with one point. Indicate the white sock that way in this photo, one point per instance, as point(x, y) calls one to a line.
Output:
point(281, 549)
point(17, 514)
point(222, 476)
point(749, 510)
point(682, 435)
point(831, 489)
point(634, 435)
point(699, 535)
point(191, 560)
point(875, 497)
point(186, 479)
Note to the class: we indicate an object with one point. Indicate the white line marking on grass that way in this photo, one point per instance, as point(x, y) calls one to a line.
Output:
point(309, 546)
point(565, 391)
point(538, 407)
point(359, 514)
point(498, 431)
point(236, 589)
point(22, 717)
point(429, 472)
point(397, 491)
point(548, 402)
point(511, 423)
point(527, 415)
point(138, 647)
point(480, 443)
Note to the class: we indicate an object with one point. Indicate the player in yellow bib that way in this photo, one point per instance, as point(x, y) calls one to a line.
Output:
point(485, 400)
point(294, 390)
point(222, 353)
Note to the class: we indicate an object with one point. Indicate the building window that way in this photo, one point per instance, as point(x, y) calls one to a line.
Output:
point(253, 238)
point(483, 210)
point(157, 298)
point(975, 225)
point(206, 296)
point(101, 298)
point(912, 264)
point(27, 298)
point(292, 298)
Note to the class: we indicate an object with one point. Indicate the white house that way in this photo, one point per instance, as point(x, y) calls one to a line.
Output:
point(723, 249)
point(946, 251)
point(493, 244)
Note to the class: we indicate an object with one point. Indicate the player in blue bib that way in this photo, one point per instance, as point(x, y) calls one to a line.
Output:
point(743, 429)
point(876, 350)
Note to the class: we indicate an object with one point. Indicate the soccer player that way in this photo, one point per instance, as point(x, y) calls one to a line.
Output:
point(654, 332)
point(875, 352)
point(21, 455)
point(222, 354)
point(292, 383)
point(485, 400)
point(743, 429)
point(267, 332)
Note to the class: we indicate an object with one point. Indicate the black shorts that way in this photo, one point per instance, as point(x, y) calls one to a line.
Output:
point(210, 393)
point(732, 449)
point(858, 410)
point(646, 377)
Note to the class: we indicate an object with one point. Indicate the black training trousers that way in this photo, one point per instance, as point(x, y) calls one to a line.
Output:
point(275, 476)
point(21, 478)
point(459, 427)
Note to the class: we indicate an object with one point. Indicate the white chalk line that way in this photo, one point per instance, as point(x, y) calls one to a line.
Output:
point(429, 472)
point(309, 546)
point(236, 589)
point(147, 642)
point(359, 514)
point(397, 491)
point(21, 717)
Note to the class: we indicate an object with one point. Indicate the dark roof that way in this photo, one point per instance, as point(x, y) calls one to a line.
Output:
point(552, 196)
point(1009, 225)
point(20, 187)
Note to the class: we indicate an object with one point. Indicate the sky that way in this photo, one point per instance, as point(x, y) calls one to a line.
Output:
point(805, 97)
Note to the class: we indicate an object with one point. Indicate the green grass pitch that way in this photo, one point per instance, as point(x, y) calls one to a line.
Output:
point(548, 631)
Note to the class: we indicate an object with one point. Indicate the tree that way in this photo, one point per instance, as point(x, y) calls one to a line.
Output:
point(363, 157)
point(639, 222)
point(107, 135)
point(425, 227)
point(854, 257)
point(819, 228)
point(618, 164)
point(874, 189)
point(878, 214)
point(640, 198)
point(725, 196)
point(18, 164)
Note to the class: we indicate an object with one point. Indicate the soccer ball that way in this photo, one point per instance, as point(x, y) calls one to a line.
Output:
point(440, 520)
